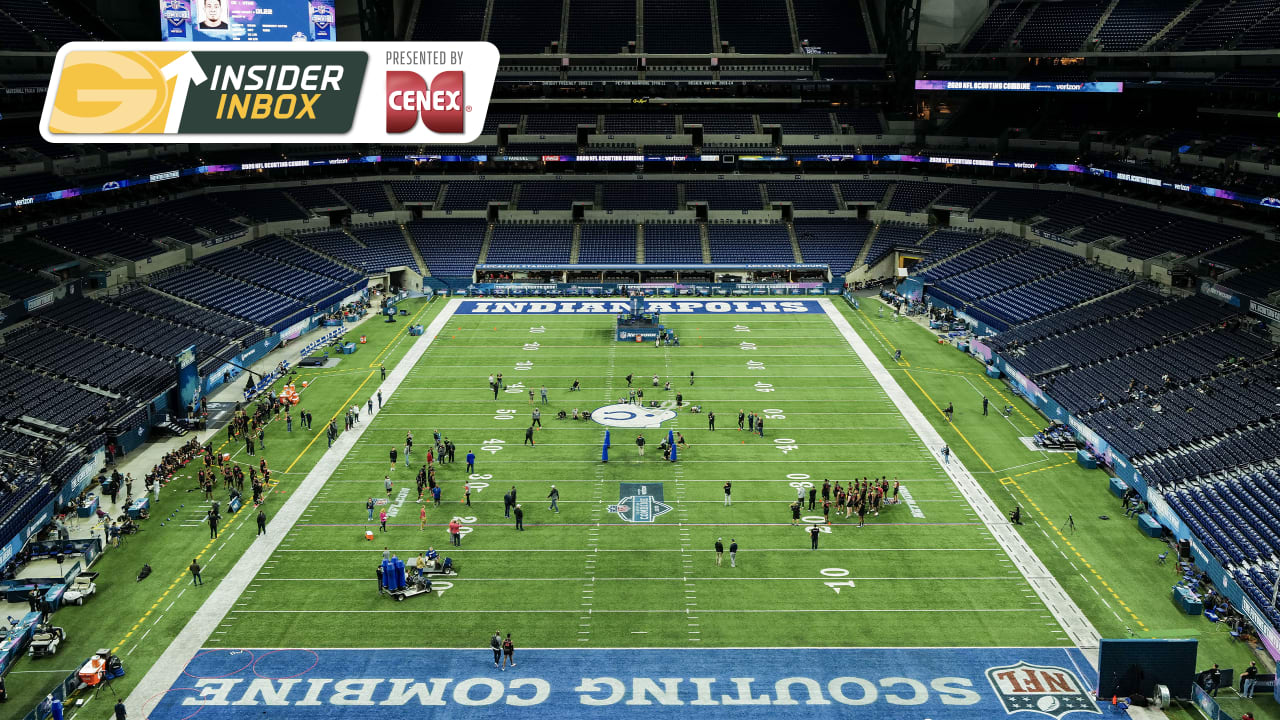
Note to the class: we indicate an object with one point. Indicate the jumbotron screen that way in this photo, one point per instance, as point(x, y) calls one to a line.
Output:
point(231, 20)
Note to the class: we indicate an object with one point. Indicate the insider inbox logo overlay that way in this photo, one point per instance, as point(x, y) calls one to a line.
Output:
point(277, 93)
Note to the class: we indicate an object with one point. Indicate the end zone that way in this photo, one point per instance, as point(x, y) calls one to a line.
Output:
point(710, 684)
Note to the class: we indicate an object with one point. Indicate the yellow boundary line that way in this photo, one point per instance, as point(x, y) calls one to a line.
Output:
point(994, 388)
point(183, 573)
point(887, 341)
point(950, 425)
point(1070, 546)
point(1009, 480)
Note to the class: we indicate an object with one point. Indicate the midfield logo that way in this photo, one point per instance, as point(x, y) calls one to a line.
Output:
point(440, 106)
point(625, 415)
point(1044, 689)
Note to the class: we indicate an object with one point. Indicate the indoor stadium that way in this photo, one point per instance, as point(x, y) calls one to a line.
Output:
point(891, 359)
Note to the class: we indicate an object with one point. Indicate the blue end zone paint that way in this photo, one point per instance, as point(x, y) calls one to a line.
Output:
point(614, 307)
point(716, 684)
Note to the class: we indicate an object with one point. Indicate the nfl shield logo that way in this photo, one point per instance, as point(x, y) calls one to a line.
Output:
point(1043, 689)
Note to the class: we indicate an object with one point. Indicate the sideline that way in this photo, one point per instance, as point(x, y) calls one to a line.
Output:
point(169, 666)
point(1078, 628)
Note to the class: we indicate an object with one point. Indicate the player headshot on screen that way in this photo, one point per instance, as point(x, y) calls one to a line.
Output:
point(213, 16)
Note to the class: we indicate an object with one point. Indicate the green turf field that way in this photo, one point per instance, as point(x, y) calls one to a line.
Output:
point(584, 575)
point(139, 619)
point(1107, 566)
point(586, 578)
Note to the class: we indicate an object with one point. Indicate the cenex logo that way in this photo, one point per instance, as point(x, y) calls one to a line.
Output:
point(440, 105)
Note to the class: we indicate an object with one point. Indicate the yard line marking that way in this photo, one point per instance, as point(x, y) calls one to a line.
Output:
point(995, 549)
point(1069, 616)
point(670, 579)
point(782, 611)
point(218, 605)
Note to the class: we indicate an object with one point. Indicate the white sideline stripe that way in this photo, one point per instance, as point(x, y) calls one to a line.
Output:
point(783, 611)
point(789, 412)
point(169, 666)
point(399, 430)
point(804, 550)
point(367, 481)
point(658, 579)
point(686, 648)
point(1081, 632)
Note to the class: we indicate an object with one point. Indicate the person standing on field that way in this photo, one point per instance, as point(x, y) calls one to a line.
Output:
point(719, 551)
point(508, 652)
point(728, 489)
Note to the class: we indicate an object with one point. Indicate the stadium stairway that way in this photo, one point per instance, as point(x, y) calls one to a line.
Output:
point(414, 9)
point(305, 211)
point(764, 195)
point(705, 236)
point(888, 197)
point(866, 246)
point(639, 25)
point(794, 27)
point(391, 197)
point(974, 210)
point(1159, 37)
point(795, 242)
point(488, 16)
point(640, 243)
point(439, 197)
point(868, 24)
point(564, 23)
point(1101, 21)
point(356, 238)
point(413, 249)
point(715, 24)
point(326, 256)
point(840, 203)
point(484, 246)
point(934, 262)
point(575, 244)
point(1018, 28)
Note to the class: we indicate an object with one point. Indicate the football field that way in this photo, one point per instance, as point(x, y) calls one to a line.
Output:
point(628, 561)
